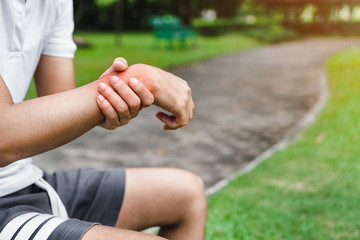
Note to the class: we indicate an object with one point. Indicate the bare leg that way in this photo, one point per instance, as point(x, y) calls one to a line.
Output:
point(111, 233)
point(173, 199)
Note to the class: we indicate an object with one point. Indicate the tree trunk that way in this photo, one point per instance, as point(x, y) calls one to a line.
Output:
point(227, 8)
point(118, 25)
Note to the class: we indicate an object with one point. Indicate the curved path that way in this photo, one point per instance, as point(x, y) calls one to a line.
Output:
point(245, 103)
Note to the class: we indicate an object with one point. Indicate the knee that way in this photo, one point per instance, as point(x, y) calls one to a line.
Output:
point(195, 196)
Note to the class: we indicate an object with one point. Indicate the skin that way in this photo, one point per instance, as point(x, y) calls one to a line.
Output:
point(173, 199)
point(170, 198)
point(120, 102)
point(65, 115)
point(170, 92)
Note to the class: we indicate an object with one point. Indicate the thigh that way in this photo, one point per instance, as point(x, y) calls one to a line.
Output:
point(156, 197)
point(110, 233)
point(93, 195)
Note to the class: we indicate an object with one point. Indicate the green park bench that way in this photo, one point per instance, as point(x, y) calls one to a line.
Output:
point(170, 29)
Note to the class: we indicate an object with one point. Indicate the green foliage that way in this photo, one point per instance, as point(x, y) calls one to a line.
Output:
point(105, 3)
point(248, 7)
point(226, 22)
point(271, 34)
point(310, 190)
point(253, 20)
point(264, 29)
point(98, 14)
point(219, 26)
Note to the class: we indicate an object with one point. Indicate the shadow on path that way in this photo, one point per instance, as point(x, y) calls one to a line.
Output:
point(245, 102)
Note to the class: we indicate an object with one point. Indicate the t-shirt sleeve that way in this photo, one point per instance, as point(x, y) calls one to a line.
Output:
point(60, 41)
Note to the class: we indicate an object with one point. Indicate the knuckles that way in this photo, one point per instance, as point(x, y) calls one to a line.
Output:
point(148, 101)
point(122, 110)
point(111, 126)
point(135, 104)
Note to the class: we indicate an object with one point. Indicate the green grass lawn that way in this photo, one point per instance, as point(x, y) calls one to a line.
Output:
point(310, 190)
point(142, 48)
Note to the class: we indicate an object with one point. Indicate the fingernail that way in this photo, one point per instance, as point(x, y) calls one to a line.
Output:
point(133, 82)
point(121, 63)
point(114, 79)
point(102, 86)
point(100, 98)
point(123, 60)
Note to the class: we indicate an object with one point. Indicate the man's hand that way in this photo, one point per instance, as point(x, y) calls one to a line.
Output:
point(173, 94)
point(119, 64)
point(170, 92)
point(121, 102)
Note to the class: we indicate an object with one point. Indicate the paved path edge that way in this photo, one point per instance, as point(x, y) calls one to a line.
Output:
point(294, 134)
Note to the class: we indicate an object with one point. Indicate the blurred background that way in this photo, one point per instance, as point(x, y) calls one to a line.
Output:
point(213, 17)
point(246, 102)
point(168, 33)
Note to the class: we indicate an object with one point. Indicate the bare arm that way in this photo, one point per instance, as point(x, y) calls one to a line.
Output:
point(44, 123)
point(54, 75)
point(41, 124)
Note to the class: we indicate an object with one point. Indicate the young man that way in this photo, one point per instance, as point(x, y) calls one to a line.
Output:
point(36, 40)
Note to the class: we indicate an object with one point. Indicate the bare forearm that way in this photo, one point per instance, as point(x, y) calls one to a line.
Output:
point(38, 125)
point(41, 124)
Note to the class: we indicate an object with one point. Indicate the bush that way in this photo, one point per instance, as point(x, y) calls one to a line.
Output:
point(221, 26)
point(258, 28)
point(271, 34)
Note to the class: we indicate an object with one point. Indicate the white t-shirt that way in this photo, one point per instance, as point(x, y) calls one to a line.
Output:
point(29, 29)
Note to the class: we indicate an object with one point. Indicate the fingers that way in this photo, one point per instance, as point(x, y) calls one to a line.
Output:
point(182, 113)
point(136, 95)
point(119, 64)
point(169, 121)
point(173, 122)
point(130, 98)
point(118, 104)
point(112, 120)
point(142, 92)
point(123, 101)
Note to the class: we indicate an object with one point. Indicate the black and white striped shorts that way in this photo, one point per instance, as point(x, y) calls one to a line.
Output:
point(90, 197)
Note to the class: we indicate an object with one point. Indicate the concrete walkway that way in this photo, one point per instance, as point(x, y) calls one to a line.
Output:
point(245, 102)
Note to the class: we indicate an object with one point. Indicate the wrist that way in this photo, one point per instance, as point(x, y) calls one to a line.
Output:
point(150, 76)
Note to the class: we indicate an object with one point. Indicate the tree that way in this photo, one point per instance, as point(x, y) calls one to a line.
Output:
point(105, 3)
point(104, 14)
point(227, 8)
